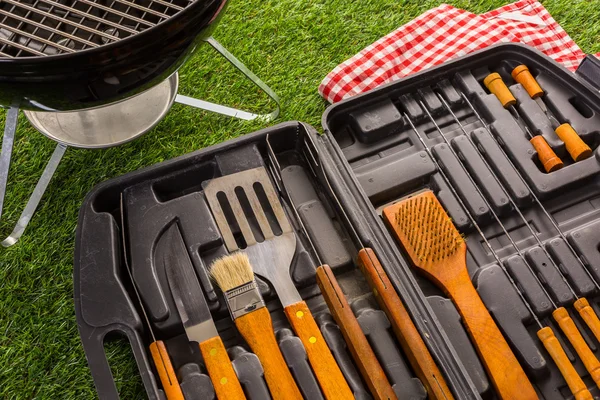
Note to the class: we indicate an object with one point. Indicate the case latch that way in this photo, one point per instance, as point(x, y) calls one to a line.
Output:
point(589, 70)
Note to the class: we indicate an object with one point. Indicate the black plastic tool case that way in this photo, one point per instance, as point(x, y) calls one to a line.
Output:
point(368, 157)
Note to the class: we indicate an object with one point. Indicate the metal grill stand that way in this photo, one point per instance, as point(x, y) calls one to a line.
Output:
point(52, 125)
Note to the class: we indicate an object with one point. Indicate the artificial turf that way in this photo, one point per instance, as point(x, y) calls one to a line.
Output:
point(291, 45)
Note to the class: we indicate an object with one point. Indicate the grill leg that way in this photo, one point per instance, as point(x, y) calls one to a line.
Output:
point(36, 196)
point(10, 127)
point(229, 111)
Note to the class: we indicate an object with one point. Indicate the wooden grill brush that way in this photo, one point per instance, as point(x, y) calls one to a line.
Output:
point(581, 304)
point(560, 314)
point(438, 251)
point(233, 274)
point(404, 328)
point(545, 334)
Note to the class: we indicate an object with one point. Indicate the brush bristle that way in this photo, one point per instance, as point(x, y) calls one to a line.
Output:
point(232, 271)
point(428, 232)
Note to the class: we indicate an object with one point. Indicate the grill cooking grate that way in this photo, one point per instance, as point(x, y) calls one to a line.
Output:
point(32, 28)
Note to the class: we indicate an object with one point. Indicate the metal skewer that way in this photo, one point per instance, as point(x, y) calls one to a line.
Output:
point(494, 214)
point(402, 325)
point(533, 195)
point(475, 224)
point(512, 202)
point(581, 304)
point(560, 314)
point(545, 333)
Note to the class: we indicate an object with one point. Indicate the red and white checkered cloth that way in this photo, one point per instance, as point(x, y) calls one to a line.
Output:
point(444, 33)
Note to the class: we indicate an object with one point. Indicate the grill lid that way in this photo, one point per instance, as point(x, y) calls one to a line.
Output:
point(34, 28)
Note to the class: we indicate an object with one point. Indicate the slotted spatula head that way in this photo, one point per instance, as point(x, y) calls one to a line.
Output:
point(246, 203)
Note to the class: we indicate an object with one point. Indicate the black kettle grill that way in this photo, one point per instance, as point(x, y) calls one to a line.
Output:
point(73, 54)
point(80, 69)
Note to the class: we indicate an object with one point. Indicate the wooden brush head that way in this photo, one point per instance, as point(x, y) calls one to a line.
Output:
point(428, 235)
point(232, 271)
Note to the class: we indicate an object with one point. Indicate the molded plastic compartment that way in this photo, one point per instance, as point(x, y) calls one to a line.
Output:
point(338, 182)
point(397, 165)
point(171, 193)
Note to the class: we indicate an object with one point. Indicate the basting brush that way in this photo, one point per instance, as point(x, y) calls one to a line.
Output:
point(234, 275)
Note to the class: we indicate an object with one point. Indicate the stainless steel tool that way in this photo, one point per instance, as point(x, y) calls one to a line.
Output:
point(247, 200)
point(269, 254)
point(545, 333)
point(196, 318)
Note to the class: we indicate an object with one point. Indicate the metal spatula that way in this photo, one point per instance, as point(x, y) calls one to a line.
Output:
point(269, 254)
point(247, 202)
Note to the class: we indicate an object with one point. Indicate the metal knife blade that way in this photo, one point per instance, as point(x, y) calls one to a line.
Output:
point(185, 289)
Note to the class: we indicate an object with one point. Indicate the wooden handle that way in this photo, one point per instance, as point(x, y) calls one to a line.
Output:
point(223, 377)
point(330, 377)
point(561, 360)
point(550, 161)
point(522, 75)
point(166, 372)
point(257, 328)
point(412, 344)
point(502, 366)
point(588, 315)
point(359, 346)
point(592, 365)
point(573, 143)
point(496, 85)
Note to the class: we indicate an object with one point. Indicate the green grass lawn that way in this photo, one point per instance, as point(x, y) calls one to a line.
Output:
point(291, 45)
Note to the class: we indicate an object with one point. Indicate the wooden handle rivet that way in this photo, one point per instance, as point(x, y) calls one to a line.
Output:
point(213, 352)
point(375, 292)
point(299, 314)
point(312, 339)
point(223, 381)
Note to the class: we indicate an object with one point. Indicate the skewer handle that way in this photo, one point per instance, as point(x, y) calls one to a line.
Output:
point(576, 147)
point(574, 381)
point(592, 365)
point(522, 75)
point(588, 315)
point(165, 369)
point(496, 85)
point(550, 161)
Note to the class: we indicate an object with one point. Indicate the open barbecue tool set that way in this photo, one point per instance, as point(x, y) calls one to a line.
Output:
point(439, 240)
